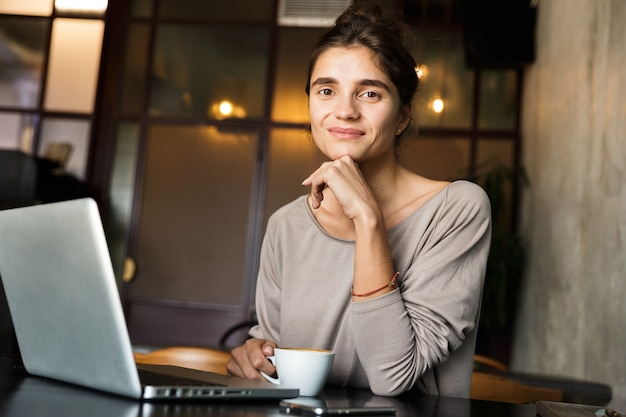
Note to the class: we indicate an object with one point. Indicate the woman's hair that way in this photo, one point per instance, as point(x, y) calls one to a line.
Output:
point(385, 37)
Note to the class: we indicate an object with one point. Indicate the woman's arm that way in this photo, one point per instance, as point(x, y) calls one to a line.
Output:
point(373, 264)
point(401, 335)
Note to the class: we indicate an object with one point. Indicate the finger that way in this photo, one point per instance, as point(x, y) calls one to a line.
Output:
point(264, 365)
point(317, 184)
point(268, 348)
point(233, 369)
point(245, 369)
point(316, 199)
point(260, 361)
point(242, 359)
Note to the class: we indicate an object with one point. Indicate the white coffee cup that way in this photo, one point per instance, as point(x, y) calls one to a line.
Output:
point(306, 369)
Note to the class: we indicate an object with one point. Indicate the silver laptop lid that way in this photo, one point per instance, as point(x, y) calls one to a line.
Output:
point(55, 267)
point(67, 314)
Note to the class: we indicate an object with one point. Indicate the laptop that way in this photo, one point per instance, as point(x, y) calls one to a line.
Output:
point(64, 302)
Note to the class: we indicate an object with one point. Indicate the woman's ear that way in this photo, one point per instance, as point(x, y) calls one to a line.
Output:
point(405, 119)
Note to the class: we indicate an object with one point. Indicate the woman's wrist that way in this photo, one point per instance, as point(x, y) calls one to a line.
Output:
point(389, 286)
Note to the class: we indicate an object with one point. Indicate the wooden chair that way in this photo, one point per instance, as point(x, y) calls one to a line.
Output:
point(205, 359)
point(59, 152)
point(496, 386)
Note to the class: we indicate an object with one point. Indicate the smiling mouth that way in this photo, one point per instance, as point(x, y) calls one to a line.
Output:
point(346, 133)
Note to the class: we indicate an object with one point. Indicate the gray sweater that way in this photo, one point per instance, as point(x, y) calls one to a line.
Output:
point(420, 336)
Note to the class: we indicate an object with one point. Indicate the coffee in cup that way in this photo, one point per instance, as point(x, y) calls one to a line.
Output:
point(306, 369)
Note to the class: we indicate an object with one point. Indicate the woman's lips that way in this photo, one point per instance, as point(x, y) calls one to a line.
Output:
point(345, 133)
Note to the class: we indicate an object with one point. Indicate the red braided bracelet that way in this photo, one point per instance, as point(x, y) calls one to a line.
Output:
point(391, 284)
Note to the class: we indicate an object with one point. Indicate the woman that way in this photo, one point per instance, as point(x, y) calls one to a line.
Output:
point(378, 264)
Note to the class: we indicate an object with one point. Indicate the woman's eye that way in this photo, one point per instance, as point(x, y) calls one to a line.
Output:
point(326, 92)
point(371, 94)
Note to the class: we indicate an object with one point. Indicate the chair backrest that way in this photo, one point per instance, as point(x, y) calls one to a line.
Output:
point(59, 152)
point(205, 359)
point(492, 381)
point(499, 388)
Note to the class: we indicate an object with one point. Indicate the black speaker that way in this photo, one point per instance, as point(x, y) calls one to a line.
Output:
point(499, 33)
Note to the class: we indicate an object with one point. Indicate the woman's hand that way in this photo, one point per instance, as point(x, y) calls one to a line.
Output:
point(248, 359)
point(343, 177)
point(373, 264)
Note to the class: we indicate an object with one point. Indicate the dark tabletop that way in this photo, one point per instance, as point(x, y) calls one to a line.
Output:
point(25, 396)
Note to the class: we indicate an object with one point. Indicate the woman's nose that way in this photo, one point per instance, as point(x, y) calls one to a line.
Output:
point(346, 108)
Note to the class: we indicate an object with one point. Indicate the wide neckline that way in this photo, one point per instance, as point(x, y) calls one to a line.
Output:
point(414, 213)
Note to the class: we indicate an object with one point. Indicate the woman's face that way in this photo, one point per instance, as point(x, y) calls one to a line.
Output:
point(353, 105)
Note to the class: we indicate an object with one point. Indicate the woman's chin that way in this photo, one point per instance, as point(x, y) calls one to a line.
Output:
point(334, 154)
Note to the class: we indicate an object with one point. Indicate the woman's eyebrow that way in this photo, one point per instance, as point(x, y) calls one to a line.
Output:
point(363, 82)
point(323, 80)
point(374, 83)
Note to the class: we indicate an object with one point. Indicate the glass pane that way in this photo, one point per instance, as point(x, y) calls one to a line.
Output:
point(498, 100)
point(194, 218)
point(90, 7)
point(22, 44)
point(121, 192)
point(10, 126)
point(27, 7)
point(294, 49)
point(135, 68)
point(495, 151)
point(16, 131)
point(141, 8)
point(256, 10)
point(437, 158)
point(196, 70)
point(459, 84)
point(293, 157)
point(444, 77)
point(430, 57)
point(73, 132)
point(74, 64)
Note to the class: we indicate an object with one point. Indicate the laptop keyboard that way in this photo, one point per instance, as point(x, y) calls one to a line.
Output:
point(158, 379)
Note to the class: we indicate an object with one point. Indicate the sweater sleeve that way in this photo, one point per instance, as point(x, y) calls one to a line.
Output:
point(401, 335)
point(268, 290)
